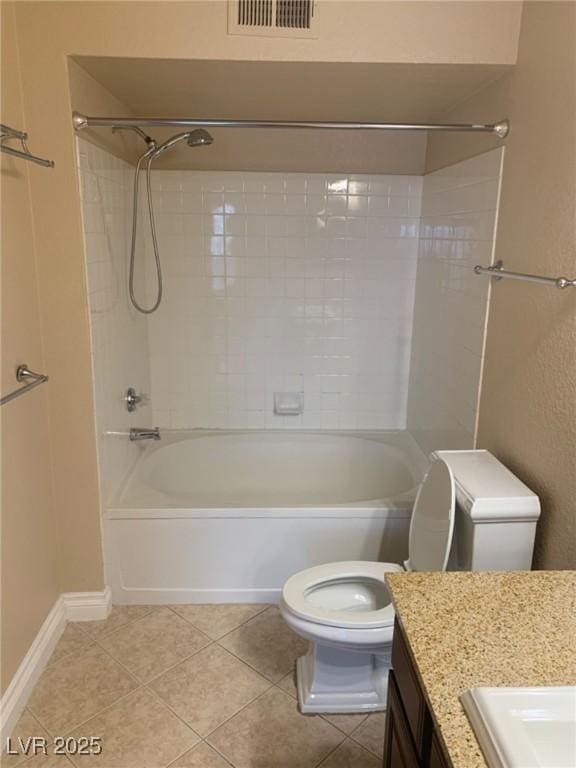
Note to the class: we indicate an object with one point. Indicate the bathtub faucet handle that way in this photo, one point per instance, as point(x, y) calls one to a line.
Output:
point(133, 399)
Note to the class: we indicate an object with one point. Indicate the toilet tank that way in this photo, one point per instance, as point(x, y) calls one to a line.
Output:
point(496, 514)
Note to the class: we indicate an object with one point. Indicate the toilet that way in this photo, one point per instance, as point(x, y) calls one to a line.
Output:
point(470, 513)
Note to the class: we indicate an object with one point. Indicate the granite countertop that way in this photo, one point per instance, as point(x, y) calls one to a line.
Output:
point(497, 629)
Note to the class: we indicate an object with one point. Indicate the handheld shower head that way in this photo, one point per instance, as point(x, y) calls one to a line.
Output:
point(197, 138)
point(200, 138)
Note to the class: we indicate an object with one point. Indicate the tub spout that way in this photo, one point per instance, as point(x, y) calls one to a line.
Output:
point(138, 433)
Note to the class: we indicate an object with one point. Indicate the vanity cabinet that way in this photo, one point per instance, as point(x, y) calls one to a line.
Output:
point(410, 740)
point(437, 759)
point(398, 745)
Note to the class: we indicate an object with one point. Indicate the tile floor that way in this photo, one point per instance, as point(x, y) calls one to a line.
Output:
point(189, 686)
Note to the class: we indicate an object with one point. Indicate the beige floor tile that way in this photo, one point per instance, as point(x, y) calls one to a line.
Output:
point(138, 732)
point(370, 733)
point(217, 620)
point(152, 645)
point(202, 756)
point(209, 688)
point(351, 755)
point(225, 695)
point(47, 761)
point(77, 687)
point(26, 728)
point(346, 723)
point(73, 640)
point(267, 644)
point(271, 732)
point(288, 684)
point(120, 615)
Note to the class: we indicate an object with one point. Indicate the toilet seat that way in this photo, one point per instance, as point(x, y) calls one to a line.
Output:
point(369, 576)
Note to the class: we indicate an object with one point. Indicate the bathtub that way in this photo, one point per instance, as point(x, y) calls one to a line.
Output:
point(214, 516)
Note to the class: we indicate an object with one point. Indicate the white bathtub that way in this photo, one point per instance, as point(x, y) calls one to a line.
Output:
point(227, 516)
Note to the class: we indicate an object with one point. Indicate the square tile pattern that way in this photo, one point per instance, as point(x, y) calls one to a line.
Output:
point(355, 291)
point(273, 282)
point(119, 333)
point(457, 231)
point(283, 282)
point(187, 686)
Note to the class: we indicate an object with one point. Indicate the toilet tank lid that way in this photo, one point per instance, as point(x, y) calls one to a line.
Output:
point(487, 490)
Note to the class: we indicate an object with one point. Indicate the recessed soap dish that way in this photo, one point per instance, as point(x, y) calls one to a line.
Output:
point(288, 403)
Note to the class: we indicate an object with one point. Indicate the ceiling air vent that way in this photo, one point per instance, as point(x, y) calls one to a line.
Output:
point(272, 18)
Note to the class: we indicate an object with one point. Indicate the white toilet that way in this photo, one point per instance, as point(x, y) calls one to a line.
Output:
point(471, 513)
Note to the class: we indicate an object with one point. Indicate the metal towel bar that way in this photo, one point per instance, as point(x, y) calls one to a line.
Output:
point(7, 134)
point(497, 271)
point(23, 373)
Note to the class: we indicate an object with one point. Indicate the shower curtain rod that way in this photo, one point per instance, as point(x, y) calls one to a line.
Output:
point(80, 121)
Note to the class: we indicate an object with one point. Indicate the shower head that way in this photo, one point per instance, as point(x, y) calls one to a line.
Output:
point(197, 138)
point(200, 138)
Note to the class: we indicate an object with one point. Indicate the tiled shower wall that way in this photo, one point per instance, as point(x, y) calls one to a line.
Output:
point(119, 334)
point(298, 283)
point(457, 231)
point(283, 283)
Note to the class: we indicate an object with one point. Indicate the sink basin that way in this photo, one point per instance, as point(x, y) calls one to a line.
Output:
point(524, 727)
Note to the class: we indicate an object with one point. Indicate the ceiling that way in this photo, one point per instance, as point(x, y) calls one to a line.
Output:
point(293, 91)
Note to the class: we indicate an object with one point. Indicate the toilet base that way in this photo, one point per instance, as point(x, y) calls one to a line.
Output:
point(332, 680)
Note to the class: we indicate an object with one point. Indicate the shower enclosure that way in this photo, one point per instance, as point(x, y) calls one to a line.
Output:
point(351, 295)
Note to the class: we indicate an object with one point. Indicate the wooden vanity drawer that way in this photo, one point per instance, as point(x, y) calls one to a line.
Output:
point(399, 750)
point(410, 693)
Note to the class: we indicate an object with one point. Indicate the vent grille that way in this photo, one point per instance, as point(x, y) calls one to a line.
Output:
point(296, 14)
point(273, 18)
point(255, 13)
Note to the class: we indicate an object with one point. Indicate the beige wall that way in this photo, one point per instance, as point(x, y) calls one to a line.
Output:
point(528, 404)
point(359, 30)
point(88, 95)
point(365, 33)
point(28, 530)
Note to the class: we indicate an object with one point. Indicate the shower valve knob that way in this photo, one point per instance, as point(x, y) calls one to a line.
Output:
point(133, 399)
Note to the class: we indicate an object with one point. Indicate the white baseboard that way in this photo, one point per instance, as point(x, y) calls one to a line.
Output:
point(71, 606)
point(87, 606)
point(16, 695)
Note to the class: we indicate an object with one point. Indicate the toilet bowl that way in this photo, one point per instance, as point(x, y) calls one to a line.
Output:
point(344, 608)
